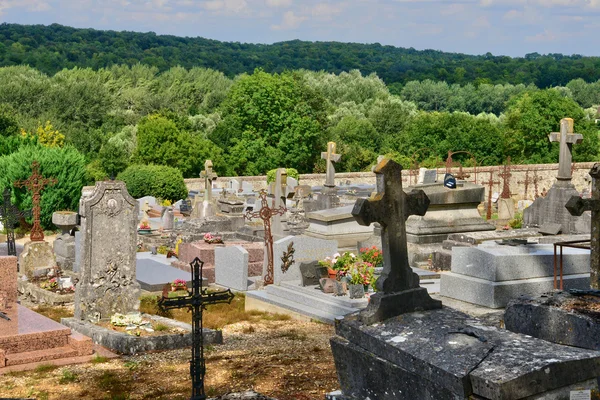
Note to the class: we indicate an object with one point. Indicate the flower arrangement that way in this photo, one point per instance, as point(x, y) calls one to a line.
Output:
point(210, 239)
point(131, 322)
point(361, 273)
point(372, 255)
point(50, 284)
point(144, 226)
point(179, 284)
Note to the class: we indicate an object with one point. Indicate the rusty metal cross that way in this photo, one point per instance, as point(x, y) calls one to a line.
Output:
point(505, 174)
point(35, 184)
point(266, 213)
point(491, 182)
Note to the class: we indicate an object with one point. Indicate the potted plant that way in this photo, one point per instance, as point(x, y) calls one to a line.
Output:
point(178, 285)
point(360, 276)
point(372, 255)
point(144, 227)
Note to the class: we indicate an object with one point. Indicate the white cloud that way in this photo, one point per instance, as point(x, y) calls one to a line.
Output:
point(326, 11)
point(279, 3)
point(545, 36)
point(290, 21)
point(232, 6)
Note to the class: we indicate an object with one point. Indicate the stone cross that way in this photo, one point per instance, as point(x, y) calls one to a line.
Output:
point(266, 213)
point(279, 199)
point(398, 286)
point(331, 157)
point(196, 301)
point(566, 138)
point(490, 184)
point(208, 176)
point(576, 206)
point(505, 174)
point(9, 216)
point(36, 183)
point(536, 179)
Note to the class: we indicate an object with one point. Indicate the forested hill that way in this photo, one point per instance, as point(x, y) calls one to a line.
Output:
point(52, 48)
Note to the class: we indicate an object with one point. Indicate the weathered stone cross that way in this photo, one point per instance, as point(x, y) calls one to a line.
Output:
point(398, 286)
point(567, 138)
point(576, 206)
point(331, 157)
point(36, 183)
point(208, 176)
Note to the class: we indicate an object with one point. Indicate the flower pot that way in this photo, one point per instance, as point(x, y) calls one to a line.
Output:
point(332, 273)
point(356, 291)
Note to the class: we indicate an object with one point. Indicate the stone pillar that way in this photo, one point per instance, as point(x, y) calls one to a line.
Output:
point(64, 245)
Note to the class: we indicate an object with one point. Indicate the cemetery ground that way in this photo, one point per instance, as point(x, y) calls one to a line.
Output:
point(270, 353)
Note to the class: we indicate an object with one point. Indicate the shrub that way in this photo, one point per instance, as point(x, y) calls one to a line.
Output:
point(154, 180)
point(66, 164)
point(291, 172)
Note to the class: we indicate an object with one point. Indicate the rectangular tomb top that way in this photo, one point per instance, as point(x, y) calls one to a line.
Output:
point(332, 214)
point(26, 324)
point(529, 250)
point(462, 354)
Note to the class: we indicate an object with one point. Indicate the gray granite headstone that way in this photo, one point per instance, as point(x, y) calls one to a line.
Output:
point(307, 249)
point(168, 219)
point(231, 267)
point(309, 273)
point(108, 282)
point(427, 176)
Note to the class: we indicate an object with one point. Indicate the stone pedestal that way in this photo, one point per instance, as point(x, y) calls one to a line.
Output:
point(491, 275)
point(551, 210)
point(337, 224)
point(36, 259)
point(64, 245)
point(506, 209)
point(450, 211)
point(448, 355)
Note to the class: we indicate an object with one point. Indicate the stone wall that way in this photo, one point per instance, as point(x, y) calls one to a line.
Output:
point(546, 174)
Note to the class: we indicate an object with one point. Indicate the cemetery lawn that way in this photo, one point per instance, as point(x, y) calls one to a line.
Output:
point(270, 353)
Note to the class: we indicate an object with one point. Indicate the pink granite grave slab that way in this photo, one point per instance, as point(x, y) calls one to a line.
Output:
point(8, 279)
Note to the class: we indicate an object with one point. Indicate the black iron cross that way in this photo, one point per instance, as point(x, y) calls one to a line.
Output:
point(9, 216)
point(196, 301)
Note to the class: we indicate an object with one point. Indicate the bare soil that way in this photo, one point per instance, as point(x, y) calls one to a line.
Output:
point(269, 353)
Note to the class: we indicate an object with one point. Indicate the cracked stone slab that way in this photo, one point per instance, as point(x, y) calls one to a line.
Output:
point(462, 355)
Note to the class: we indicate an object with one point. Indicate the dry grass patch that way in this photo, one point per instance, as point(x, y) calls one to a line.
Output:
point(55, 313)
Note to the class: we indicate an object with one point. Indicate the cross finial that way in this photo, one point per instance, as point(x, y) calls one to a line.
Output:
point(208, 176)
point(505, 175)
point(331, 157)
point(567, 138)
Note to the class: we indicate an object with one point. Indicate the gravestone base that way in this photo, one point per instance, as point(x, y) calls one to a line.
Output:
point(491, 275)
point(551, 209)
point(550, 317)
point(36, 259)
point(444, 354)
point(387, 305)
point(64, 251)
point(337, 224)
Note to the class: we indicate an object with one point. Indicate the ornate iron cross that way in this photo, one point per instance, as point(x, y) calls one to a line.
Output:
point(331, 157)
point(505, 174)
point(35, 184)
point(526, 182)
point(196, 301)
point(576, 206)
point(266, 213)
point(9, 216)
point(490, 184)
point(567, 139)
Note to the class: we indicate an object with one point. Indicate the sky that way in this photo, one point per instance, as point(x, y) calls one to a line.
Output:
point(501, 27)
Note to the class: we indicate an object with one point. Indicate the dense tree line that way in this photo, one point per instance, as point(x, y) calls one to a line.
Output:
point(121, 116)
point(52, 48)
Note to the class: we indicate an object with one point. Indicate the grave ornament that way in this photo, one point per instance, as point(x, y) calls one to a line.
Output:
point(36, 183)
point(196, 301)
point(567, 138)
point(265, 214)
point(9, 216)
point(398, 286)
point(330, 156)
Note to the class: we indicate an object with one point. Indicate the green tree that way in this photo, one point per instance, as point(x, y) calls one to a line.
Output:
point(533, 117)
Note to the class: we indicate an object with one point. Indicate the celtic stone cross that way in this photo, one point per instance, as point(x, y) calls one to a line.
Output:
point(331, 157)
point(567, 139)
point(398, 286)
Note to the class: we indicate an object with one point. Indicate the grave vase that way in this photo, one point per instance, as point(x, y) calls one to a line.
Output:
point(356, 291)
